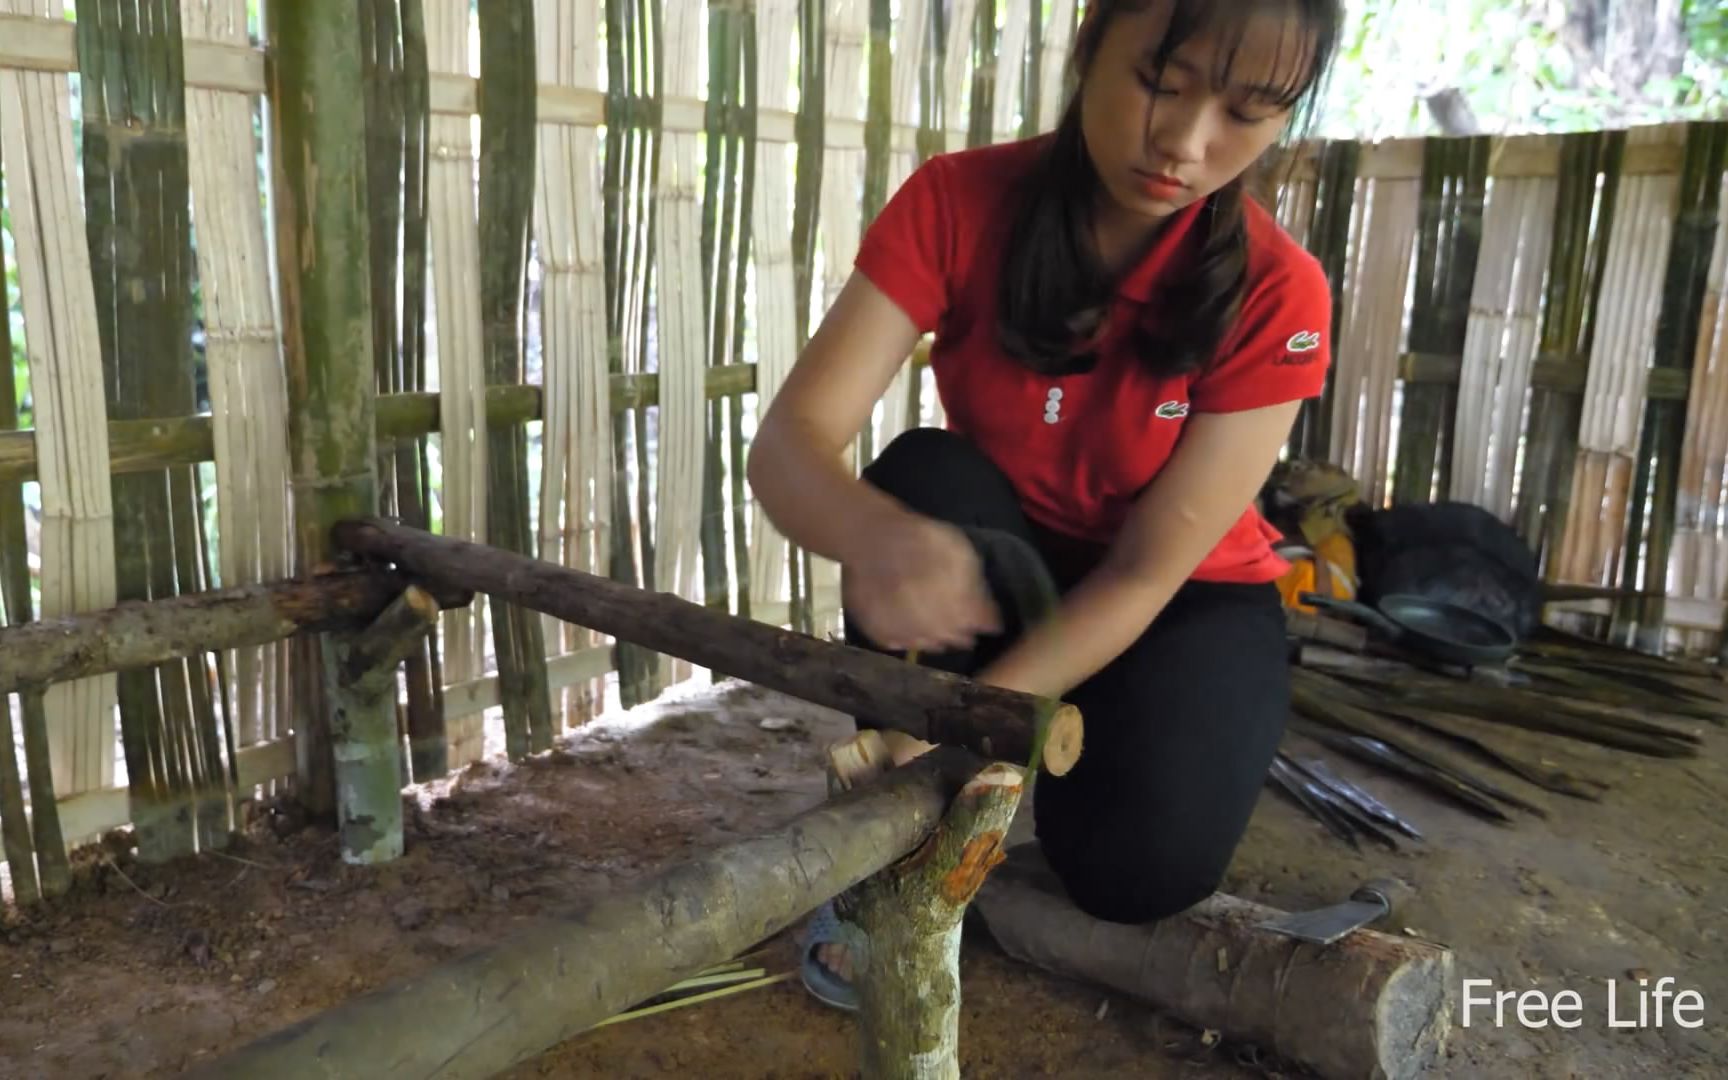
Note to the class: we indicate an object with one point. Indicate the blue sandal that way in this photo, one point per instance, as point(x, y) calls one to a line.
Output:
point(827, 928)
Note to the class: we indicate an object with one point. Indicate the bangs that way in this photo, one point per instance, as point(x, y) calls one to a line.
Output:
point(1275, 48)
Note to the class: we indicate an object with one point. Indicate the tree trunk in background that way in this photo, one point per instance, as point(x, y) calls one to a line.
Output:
point(1633, 41)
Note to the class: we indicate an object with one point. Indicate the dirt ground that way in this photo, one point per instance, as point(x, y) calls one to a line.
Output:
point(149, 969)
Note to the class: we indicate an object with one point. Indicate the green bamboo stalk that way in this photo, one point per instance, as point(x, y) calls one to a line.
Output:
point(507, 167)
point(718, 187)
point(317, 125)
point(984, 61)
point(812, 133)
point(138, 198)
point(624, 227)
point(388, 175)
point(1454, 186)
point(15, 598)
point(1661, 439)
point(1031, 82)
point(1589, 181)
point(427, 745)
point(651, 43)
point(1329, 238)
point(748, 112)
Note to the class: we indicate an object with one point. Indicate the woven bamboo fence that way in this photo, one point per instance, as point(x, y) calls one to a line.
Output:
point(581, 287)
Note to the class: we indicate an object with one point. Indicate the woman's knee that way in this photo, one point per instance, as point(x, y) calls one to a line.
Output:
point(929, 468)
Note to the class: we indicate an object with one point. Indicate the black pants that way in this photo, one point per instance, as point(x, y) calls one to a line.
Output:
point(1180, 729)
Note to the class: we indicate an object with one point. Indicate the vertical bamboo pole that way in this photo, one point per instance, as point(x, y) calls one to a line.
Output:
point(631, 151)
point(1335, 194)
point(393, 47)
point(577, 458)
point(507, 154)
point(137, 198)
point(15, 599)
point(318, 126)
point(812, 167)
point(1583, 220)
point(729, 173)
point(1454, 185)
point(1676, 347)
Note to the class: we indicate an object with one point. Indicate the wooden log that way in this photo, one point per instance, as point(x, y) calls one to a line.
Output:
point(1369, 1005)
point(371, 665)
point(496, 1007)
point(931, 705)
point(140, 634)
point(908, 973)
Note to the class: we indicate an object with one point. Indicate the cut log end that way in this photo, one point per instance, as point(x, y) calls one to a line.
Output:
point(1063, 743)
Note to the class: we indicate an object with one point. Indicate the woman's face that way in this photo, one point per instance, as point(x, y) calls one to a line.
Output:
point(1160, 141)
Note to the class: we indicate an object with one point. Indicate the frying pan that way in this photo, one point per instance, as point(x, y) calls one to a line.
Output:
point(1447, 632)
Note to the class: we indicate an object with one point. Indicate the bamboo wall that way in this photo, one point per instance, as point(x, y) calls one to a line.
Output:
point(582, 298)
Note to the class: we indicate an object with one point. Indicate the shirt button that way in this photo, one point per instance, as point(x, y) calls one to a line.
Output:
point(1055, 393)
point(1051, 418)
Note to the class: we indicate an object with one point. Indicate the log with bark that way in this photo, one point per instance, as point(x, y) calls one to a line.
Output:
point(1368, 1005)
point(140, 634)
point(909, 916)
point(487, 1011)
point(938, 707)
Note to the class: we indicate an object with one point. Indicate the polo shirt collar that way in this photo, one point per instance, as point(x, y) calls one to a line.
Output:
point(1140, 281)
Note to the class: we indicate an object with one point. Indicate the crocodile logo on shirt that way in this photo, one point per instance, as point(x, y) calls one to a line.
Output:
point(1171, 410)
point(1306, 341)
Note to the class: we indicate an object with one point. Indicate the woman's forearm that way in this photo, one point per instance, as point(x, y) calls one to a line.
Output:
point(1095, 623)
point(810, 493)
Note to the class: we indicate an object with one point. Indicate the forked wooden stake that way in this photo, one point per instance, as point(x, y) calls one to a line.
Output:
point(908, 966)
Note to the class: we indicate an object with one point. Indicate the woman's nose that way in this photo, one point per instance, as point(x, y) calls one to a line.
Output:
point(1179, 134)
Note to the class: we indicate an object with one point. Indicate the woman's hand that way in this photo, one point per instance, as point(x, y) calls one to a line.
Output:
point(912, 582)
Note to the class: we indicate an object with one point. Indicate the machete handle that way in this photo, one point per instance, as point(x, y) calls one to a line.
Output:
point(1387, 891)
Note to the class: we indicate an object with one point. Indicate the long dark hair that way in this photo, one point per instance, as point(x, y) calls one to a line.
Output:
point(1055, 293)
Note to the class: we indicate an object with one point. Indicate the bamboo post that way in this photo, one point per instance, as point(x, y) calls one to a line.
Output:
point(1645, 565)
point(932, 705)
point(631, 159)
point(318, 126)
point(1589, 183)
point(137, 195)
point(397, 114)
point(507, 154)
point(495, 1007)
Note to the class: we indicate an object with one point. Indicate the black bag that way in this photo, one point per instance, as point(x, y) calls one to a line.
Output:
point(1454, 552)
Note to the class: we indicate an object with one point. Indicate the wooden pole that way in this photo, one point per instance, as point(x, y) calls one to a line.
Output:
point(1368, 1005)
point(140, 634)
point(319, 129)
point(498, 1006)
point(931, 705)
point(910, 915)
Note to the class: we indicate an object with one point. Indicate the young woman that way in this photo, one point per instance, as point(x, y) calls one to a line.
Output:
point(1122, 341)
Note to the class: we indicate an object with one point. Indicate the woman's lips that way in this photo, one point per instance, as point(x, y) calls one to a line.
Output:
point(1158, 185)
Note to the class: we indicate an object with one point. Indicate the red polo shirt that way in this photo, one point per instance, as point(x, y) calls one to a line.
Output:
point(1080, 448)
